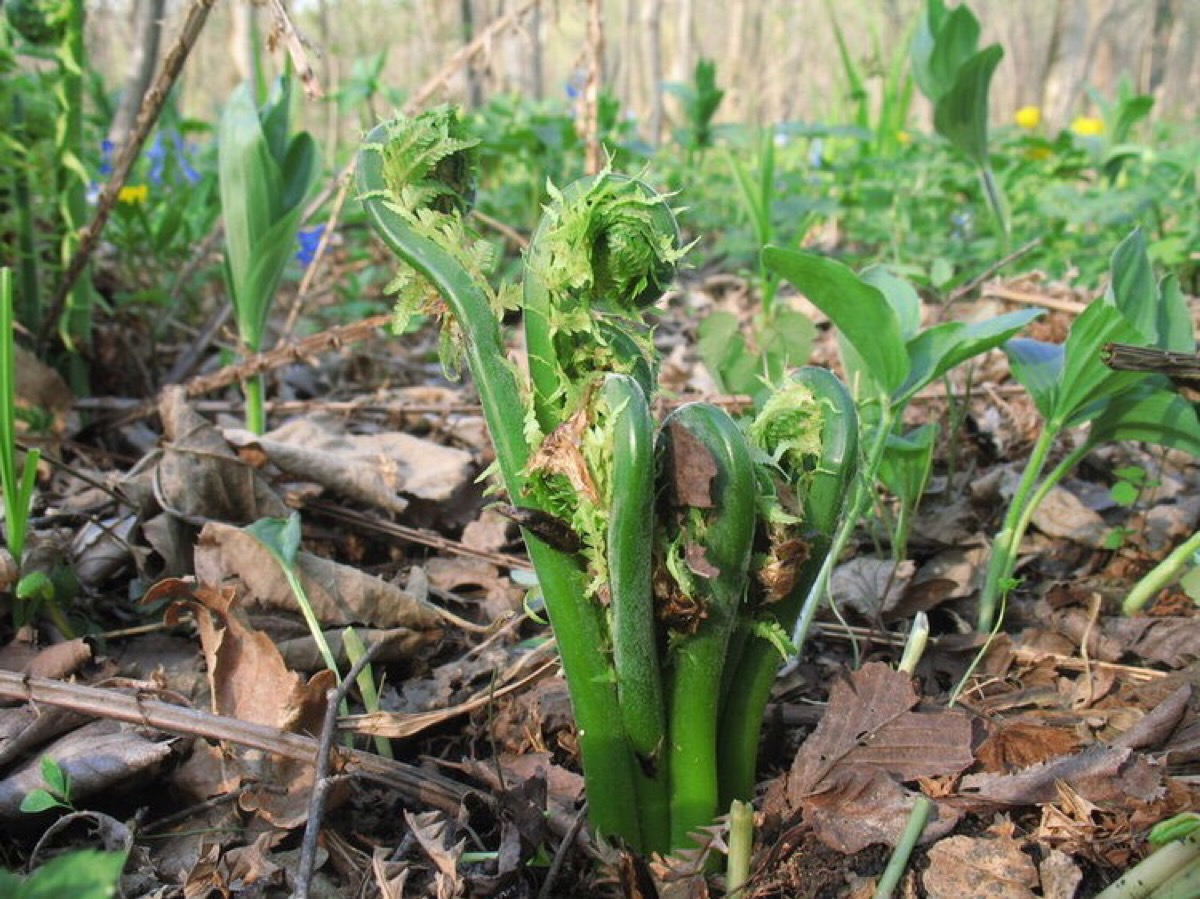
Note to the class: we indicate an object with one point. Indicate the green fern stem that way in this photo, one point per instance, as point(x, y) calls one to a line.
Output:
point(809, 428)
point(714, 580)
point(609, 764)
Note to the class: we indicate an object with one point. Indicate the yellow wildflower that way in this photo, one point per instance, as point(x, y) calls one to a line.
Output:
point(1085, 126)
point(1028, 117)
point(1038, 154)
point(903, 138)
point(133, 195)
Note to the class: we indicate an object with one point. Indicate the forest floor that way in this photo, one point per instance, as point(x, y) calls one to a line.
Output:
point(188, 714)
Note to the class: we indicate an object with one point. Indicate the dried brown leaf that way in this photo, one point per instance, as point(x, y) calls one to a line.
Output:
point(1018, 744)
point(101, 756)
point(1100, 773)
point(1169, 641)
point(869, 723)
point(371, 468)
point(983, 867)
point(872, 587)
point(868, 740)
point(339, 594)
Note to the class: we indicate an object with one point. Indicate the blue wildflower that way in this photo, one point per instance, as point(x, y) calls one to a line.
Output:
point(308, 239)
point(106, 157)
point(182, 152)
point(157, 157)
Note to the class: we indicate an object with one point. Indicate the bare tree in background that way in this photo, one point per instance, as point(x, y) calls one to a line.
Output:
point(652, 36)
point(466, 10)
point(142, 63)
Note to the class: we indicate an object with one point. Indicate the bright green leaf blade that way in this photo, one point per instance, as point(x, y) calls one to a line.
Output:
point(1086, 381)
point(300, 170)
point(955, 42)
point(908, 461)
point(281, 537)
point(961, 115)
point(1132, 289)
point(39, 800)
point(1157, 416)
point(940, 348)
point(1037, 365)
point(901, 296)
point(1175, 329)
point(83, 874)
point(57, 780)
point(859, 310)
point(921, 49)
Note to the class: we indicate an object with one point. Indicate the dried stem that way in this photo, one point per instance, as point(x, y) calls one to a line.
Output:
point(152, 105)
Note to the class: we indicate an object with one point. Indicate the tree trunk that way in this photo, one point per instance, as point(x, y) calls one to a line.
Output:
point(142, 63)
point(652, 32)
point(686, 38)
point(734, 55)
point(474, 83)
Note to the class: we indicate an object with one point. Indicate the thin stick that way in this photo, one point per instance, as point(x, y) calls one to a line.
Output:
point(152, 105)
point(415, 786)
point(560, 855)
point(297, 50)
point(322, 782)
point(959, 292)
point(1033, 299)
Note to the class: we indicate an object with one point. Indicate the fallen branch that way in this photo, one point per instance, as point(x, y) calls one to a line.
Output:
point(415, 785)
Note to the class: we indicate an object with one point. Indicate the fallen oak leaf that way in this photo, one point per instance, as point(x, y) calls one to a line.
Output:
point(868, 741)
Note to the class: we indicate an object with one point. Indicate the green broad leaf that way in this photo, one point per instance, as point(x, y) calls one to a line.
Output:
point(924, 40)
point(281, 537)
point(39, 800)
point(1175, 330)
point(1190, 583)
point(720, 346)
point(1154, 415)
point(1037, 365)
point(35, 587)
point(300, 169)
point(57, 780)
point(901, 296)
point(859, 310)
point(275, 118)
point(957, 38)
point(1132, 288)
point(937, 350)
point(908, 462)
point(250, 186)
point(1086, 382)
point(961, 114)
point(1130, 113)
point(84, 874)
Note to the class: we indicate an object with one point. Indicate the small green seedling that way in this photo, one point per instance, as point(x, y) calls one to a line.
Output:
point(1071, 386)
point(265, 176)
point(56, 793)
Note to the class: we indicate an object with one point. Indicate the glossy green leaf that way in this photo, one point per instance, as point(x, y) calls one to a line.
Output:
point(961, 114)
point(1037, 365)
point(1086, 381)
point(937, 350)
point(1175, 329)
point(908, 461)
point(956, 40)
point(901, 296)
point(859, 310)
point(1132, 288)
point(1154, 415)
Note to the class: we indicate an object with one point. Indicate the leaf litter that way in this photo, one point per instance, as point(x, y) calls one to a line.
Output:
point(1077, 730)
